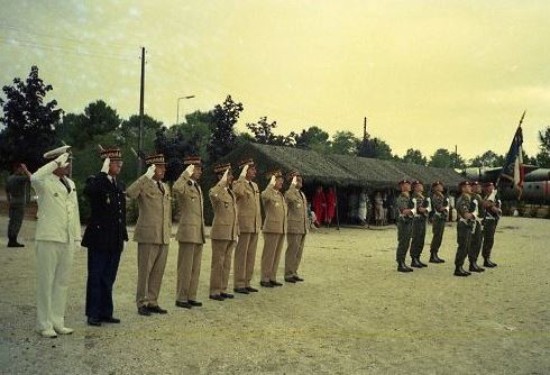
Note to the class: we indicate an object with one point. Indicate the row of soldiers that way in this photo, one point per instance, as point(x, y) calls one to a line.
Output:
point(236, 226)
point(478, 211)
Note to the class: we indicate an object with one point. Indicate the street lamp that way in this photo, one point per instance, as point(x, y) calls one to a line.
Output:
point(178, 106)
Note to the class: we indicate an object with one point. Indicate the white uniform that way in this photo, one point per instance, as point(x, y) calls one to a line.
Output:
point(57, 235)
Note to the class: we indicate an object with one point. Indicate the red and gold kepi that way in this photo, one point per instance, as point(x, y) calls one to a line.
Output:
point(221, 168)
point(248, 161)
point(275, 173)
point(404, 181)
point(155, 159)
point(416, 182)
point(294, 173)
point(112, 153)
point(462, 183)
point(435, 183)
point(487, 184)
point(195, 160)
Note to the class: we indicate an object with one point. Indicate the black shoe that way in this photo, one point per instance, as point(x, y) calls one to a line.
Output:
point(251, 290)
point(435, 259)
point(275, 283)
point(216, 297)
point(415, 262)
point(143, 310)
point(15, 244)
point(422, 263)
point(459, 271)
point(298, 278)
point(487, 263)
point(227, 295)
point(475, 268)
point(290, 279)
point(402, 267)
point(184, 304)
point(194, 303)
point(266, 284)
point(94, 322)
point(241, 290)
point(156, 309)
point(110, 319)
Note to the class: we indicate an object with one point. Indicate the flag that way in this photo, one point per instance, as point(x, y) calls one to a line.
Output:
point(512, 169)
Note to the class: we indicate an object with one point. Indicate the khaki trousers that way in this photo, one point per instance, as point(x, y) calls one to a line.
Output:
point(293, 256)
point(273, 244)
point(189, 270)
point(54, 261)
point(245, 257)
point(151, 264)
point(221, 265)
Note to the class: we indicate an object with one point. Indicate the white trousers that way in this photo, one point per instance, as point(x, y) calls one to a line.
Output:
point(53, 265)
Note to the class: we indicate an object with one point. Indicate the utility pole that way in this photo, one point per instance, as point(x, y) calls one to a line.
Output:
point(141, 101)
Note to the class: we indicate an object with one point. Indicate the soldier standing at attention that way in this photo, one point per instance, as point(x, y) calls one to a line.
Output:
point(57, 237)
point(441, 211)
point(297, 227)
point(419, 224)
point(465, 226)
point(477, 235)
point(104, 237)
point(224, 232)
point(190, 234)
point(275, 227)
point(152, 233)
point(16, 194)
point(492, 214)
point(250, 223)
point(405, 214)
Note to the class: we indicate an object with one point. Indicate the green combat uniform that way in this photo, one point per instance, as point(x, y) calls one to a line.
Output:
point(464, 230)
point(404, 227)
point(477, 235)
point(490, 221)
point(418, 229)
point(16, 191)
point(440, 207)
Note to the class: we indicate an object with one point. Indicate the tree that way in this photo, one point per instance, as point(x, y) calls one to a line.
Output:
point(488, 159)
point(375, 148)
point(29, 122)
point(263, 133)
point(223, 138)
point(544, 137)
point(344, 143)
point(442, 158)
point(543, 159)
point(313, 138)
point(413, 156)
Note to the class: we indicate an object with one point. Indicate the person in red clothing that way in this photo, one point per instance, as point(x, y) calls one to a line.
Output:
point(331, 205)
point(319, 203)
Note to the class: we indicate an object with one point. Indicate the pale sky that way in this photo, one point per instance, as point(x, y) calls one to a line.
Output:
point(427, 74)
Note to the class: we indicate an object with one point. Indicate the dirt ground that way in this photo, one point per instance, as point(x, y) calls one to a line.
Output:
point(354, 314)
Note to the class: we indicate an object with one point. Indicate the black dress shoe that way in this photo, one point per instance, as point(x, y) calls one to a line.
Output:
point(143, 310)
point(487, 263)
point(227, 295)
point(184, 304)
point(459, 271)
point(416, 263)
point(194, 303)
point(475, 268)
point(94, 322)
point(251, 290)
point(434, 258)
point(241, 290)
point(266, 284)
point(275, 283)
point(290, 280)
point(15, 244)
point(110, 319)
point(422, 263)
point(156, 309)
point(402, 267)
point(298, 278)
point(216, 297)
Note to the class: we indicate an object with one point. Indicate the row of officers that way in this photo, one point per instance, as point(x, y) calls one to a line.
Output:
point(478, 209)
point(235, 229)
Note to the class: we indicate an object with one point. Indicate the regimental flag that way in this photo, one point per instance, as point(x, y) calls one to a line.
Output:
point(513, 169)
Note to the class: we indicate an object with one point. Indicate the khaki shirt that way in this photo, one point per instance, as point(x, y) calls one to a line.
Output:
point(188, 195)
point(225, 225)
point(275, 211)
point(248, 204)
point(297, 211)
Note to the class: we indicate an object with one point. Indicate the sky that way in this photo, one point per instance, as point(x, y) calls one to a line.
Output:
point(427, 74)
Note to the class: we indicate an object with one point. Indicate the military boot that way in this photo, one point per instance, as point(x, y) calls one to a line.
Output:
point(415, 262)
point(459, 271)
point(487, 263)
point(402, 267)
point(421, 263)
point(475, 268)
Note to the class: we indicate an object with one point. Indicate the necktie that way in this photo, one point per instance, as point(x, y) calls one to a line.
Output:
point(65, 184)
point(113, 181)
point(159, 184)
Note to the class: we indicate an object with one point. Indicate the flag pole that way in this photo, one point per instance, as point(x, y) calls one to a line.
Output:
point(519, 126)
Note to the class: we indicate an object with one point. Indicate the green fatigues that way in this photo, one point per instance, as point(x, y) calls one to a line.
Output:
point(490, 222)
point(463, 229)
point(418, 227)
point(477, 235)
point(16, 189)
point(439, 203)
point(404, 227)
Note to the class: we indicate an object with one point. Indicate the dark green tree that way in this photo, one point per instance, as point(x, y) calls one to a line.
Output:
point(487, 159)
point(263, 133)
point(544, 138)
point(375, 148)
point(344, 143)
point(29, 122)
point(413, 156)
point(442, 158)
point(314, 138)
point(223, 138)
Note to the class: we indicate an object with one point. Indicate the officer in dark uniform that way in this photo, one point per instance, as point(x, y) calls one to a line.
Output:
point(419, 224)
point(16, 193)
point(440, 211)
point(491, 204)
point(104, 237)
point(465, 227)
point(404, 213)
point(477, 235)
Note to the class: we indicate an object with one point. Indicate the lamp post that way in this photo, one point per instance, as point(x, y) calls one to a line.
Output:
point(178, 106)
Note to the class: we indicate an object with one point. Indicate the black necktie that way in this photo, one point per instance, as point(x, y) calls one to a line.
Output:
point(159, 184)
point(113, 180)
point(66, 184)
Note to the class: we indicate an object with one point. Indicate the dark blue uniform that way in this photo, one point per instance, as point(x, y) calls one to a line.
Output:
point(104, 237)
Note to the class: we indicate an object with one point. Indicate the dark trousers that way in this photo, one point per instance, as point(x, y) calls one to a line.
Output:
point(418, 236)
point(16, 213)
point(489, 228)
point(404, 232)
point(463, 238)
point(438, 228)
point(102, 271)
point(475, 245)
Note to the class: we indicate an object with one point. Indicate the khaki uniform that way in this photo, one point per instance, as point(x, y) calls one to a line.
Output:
point(152, 233)
point(190, 236)
point(224, 234)
point(297, 230)
point(274, 229)
point(250, 223)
